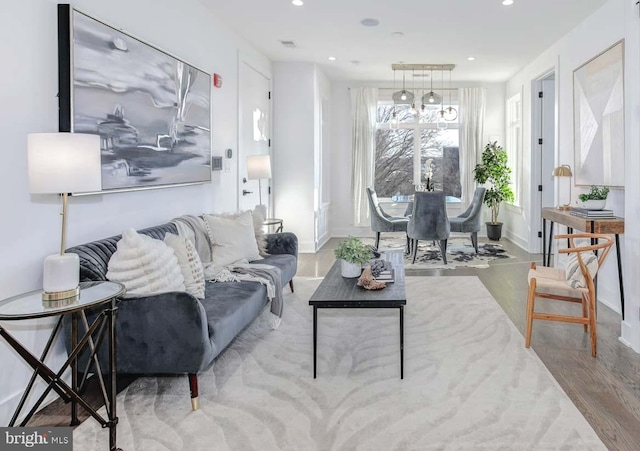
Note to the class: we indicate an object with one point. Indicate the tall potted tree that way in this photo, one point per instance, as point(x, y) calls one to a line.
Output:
point(494, 170)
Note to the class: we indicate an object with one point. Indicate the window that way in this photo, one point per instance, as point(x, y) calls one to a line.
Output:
point(402, 154)
point(514, 143)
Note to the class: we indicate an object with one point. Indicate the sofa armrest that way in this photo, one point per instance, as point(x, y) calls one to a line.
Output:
point(158, 334)
point(282, 243)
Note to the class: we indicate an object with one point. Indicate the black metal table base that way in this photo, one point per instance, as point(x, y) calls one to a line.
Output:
point(103, 325)
point(315, 330)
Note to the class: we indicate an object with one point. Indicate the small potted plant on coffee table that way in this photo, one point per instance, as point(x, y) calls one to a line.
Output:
point(353, 253)
point(596, 199)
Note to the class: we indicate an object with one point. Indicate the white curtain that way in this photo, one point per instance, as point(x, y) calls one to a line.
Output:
point(364, 105)
point(472, 104)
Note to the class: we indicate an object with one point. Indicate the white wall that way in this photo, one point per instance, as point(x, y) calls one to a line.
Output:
point(298, 91)
point(29, 229)
point(616, 20)
point(294, 141)
point(341, 210)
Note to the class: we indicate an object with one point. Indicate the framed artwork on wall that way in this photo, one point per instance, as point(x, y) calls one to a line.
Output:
point(598, 111)
point(151, 110)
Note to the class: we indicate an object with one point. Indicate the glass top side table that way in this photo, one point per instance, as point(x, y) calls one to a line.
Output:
point(278, 223)
point(99, 295)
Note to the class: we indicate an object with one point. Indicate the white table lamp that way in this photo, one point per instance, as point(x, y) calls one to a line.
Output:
point(63, 163)
point(258, 168)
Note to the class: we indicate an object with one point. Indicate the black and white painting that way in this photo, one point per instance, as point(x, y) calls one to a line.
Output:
point(151, 110)
point(598, 99)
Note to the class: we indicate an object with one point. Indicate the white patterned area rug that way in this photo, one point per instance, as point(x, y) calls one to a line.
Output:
point(469, 385)
point(460, 252)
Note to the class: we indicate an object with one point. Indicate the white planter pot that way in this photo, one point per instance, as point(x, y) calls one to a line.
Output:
point(350, 270)
point(592, 204)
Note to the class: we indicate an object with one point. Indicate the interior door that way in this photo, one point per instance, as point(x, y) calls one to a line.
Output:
point(544, 127)
point(255, 135)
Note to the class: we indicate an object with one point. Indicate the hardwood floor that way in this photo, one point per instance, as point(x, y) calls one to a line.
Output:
point(605, 389)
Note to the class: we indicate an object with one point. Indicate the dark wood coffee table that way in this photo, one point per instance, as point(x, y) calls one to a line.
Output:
point(336, 291)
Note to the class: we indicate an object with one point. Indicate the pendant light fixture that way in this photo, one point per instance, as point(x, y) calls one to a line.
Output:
point(413, 110)
point(450, 114)
point(394, 116)
point(431, 98)
point(403, 97)
point(423, 107)
point(442, 123)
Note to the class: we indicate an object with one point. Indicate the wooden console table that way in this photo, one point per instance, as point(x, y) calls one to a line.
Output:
point(609, 226)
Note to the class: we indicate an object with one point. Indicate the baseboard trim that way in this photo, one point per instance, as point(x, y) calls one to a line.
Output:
point(603, 298)
point(627, 337)
point(517, 240)
point(322, 241)
point(307, 247)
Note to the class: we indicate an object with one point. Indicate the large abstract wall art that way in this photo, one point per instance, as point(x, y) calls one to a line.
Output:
point(598, 107)
point(151, 110)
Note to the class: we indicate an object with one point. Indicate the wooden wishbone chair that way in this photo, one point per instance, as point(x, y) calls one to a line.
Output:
point(555, 279)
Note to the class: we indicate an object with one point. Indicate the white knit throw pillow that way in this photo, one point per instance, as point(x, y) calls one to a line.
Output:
point(232, 239)
point(261, 239)
point(575, 278)
point(189, 262)
point(258, 219)
point(145, 265)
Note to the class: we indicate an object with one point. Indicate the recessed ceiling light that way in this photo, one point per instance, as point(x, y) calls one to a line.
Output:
point(370, 22)
point(332, 58)
point(297, 2)
point(507, 2)
point(472, 58)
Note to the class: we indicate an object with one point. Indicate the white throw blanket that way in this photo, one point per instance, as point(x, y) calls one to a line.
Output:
point(192, 228)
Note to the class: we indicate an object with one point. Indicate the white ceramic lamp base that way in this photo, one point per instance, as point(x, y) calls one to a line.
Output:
point(61, 276)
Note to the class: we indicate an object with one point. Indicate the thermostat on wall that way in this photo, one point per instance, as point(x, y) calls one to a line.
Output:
point(229, 153)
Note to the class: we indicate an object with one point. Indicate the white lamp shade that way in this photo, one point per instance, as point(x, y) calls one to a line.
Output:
point(258, 167)
point(64, 163)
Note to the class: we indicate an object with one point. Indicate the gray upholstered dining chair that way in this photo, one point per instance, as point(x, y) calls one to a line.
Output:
point(471, 220)
point(429, 221)
point(382, 222)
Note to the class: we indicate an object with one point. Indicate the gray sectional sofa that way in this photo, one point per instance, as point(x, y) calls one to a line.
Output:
point(176, 333)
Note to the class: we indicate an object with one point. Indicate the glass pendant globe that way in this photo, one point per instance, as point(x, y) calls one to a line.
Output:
point(394, 122)
point(441, 124)
point(450, 114)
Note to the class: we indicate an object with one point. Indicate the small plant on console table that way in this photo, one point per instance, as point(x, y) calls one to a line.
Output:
point(353, 253)
point(495, 171)
point(596, 199)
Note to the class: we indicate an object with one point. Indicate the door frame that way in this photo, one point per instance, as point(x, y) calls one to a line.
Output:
point(535, 242)
point(242, 61)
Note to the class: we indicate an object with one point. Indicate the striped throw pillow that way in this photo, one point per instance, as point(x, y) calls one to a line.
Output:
point(575, 278)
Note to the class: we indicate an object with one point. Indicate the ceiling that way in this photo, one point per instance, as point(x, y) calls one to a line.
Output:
point(501, 38)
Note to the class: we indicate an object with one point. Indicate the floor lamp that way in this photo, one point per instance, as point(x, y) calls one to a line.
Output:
point(63, 163)
point(564, 171)
point(258, 168)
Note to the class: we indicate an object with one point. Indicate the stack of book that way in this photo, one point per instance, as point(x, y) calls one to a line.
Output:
point(598, 214)
point(384, 271)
